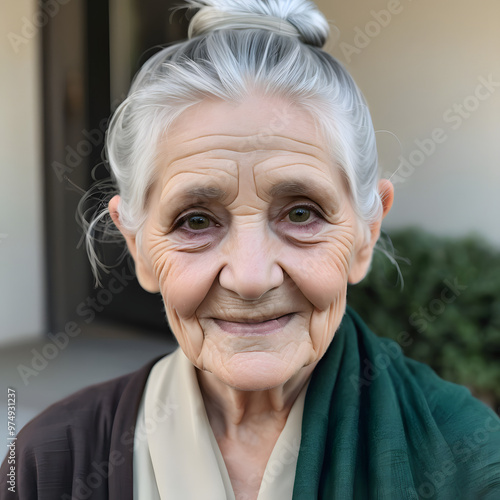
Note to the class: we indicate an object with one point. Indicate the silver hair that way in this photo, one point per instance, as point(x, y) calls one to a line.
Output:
point(236, 48)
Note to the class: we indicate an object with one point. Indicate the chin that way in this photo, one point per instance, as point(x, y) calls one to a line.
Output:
point(257, 371)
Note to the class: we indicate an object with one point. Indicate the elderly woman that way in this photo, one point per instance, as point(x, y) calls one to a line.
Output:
point(246, 167)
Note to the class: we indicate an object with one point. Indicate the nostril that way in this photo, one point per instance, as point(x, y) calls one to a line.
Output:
point(251, 282)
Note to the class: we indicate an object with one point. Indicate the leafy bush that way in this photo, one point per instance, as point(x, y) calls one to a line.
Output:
point(448, 312)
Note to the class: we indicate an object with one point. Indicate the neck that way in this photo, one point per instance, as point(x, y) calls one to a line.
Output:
point(233, 412)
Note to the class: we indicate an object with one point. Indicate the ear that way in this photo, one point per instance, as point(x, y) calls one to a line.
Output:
point(143, 268)
point(363, 256)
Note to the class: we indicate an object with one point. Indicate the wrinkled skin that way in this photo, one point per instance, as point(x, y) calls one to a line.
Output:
point(253, 254)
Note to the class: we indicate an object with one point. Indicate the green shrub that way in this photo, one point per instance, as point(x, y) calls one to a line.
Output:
point(449, 306)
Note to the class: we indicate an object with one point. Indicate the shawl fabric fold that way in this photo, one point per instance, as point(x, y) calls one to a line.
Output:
point(376, 425)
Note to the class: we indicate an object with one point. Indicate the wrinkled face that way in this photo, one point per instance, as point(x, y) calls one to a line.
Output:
point(251, 238)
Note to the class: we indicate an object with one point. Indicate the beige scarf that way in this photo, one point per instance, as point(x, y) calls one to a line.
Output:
point(176, 455)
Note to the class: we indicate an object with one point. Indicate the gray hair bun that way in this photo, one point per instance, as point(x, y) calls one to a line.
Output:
point(297, 18)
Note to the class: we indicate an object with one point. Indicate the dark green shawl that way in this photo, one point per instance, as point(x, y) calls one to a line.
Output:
point(377, 425)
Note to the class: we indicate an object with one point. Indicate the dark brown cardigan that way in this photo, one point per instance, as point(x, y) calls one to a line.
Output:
point(56, 460)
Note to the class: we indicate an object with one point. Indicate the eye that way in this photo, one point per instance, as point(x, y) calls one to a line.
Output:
point(303, 219)
point(198, 221)
point(303, 215)
point(299, 214)
point(195, 221)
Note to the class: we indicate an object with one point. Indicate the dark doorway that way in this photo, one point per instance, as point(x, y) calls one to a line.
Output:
point(91, 50)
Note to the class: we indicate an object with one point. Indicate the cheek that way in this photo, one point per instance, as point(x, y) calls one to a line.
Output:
point(186, 280)
point(321, 274)
point(320, 271)
point(184, 277)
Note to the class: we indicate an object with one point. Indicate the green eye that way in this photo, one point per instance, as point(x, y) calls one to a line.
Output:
point(198, 222)
point(299, 214)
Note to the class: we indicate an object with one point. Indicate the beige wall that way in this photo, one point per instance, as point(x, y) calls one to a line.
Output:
point(430, 56)
point(21, 252)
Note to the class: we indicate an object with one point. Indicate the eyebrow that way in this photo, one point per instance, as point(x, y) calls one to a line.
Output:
point(195, 194)
point(211, 193)
point(310, 189)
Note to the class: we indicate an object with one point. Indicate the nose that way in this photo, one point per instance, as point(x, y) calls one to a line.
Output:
point(250, 268)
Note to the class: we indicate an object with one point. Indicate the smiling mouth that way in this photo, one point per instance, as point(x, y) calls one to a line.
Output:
point(254, 328)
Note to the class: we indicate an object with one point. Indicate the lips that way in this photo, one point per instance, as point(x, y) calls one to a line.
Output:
point(254, 328)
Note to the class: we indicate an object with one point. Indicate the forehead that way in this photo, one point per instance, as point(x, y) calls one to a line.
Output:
point(263, 140)
point(255, 123)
